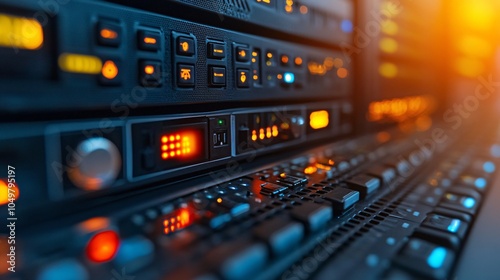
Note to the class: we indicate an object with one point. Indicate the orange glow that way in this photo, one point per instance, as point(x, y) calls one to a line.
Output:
point(275, 131)
point(469, 67)
point(109, 70)
point(5, 191)
point(303, 9)
point(478, 15)
point(423, 123)
point(94, 224)
point(383, 136)
point(321, 69)
point(319, 119)
point(284, 59)
point(268, 132)
point(342, 73)
point(389, 27)
point(181, 144)
point(400, 109)
point(388, 70)
point(149, 40)
point(388, 45)
point(254, 135)
point(149, 69)
point(298, 61)
point(323, 167)
point(219, 200)
point(20, 32)
point(288, 8)
point(109, 34)
point(482, 47)
point(103, 246)
point(178, 220)
point(310, 170)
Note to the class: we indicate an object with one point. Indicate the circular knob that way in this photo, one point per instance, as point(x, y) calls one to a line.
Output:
point(98, 164)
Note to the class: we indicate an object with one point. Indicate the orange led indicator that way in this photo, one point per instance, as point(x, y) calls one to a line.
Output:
point(149, 69)
point(303, 9)
point(310, 170)
point(108, 34)
point(319, 119)
point(298, 61)
point(243, 53)
point(185, 46)
point(103, 246)
point(243, 77)
point(342, 73)
point(149, 40)
point(284, 59)
point(185, 73)
point(254, 135)
point(109, 70)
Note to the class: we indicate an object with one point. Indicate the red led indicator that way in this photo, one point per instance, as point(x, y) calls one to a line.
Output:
point(103, 246)
point(179, 145)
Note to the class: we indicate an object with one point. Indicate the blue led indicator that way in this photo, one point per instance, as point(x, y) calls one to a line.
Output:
point(437, 257)
point(469, 202)
point(346, 26)
point(454, 225)
point(289, 78)
point(480, 183)
point(489, 167)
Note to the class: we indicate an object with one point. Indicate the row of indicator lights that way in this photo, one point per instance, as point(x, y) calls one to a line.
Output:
point(329, 63)
point(177, 145)
point(265, 133)
point(177, 221)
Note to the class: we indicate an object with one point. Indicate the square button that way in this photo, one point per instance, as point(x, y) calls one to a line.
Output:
point(185, 46)
point(242, 54)
point(243, 78)
point(185, 75)
point(148, 40)
point(150, 73)
point(217, 76)
point(216, 50)
point(109, 34)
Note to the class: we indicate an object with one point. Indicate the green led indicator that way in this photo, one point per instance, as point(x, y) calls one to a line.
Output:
point(220, 122)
